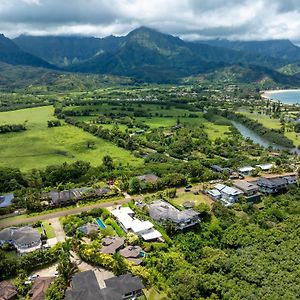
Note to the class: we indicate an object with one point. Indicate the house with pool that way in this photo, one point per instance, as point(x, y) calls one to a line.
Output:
point(145, 229)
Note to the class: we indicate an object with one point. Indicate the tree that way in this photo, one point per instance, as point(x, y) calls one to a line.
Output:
point(107, 162)
point(90, 144)
point(132, 239)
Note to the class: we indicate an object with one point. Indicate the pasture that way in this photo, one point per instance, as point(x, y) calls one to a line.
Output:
point(158, 116)
point(40, 146)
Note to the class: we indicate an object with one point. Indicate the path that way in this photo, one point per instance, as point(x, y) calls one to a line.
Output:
point(59, 232)
point(72, 211)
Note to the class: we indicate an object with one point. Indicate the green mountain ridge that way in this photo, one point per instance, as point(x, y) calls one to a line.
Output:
point(10, 53)
point(146, 55)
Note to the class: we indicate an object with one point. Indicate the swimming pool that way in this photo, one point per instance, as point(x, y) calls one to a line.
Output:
point(100, 223)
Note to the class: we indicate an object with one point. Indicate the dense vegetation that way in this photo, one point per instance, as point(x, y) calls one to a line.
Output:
point(12, 128)
point(230, 257)
point(272, 135)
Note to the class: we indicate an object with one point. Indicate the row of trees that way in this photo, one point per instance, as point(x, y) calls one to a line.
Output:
point(7, 128)
point(271, 135)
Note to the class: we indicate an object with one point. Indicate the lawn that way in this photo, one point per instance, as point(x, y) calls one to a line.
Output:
point(264, 120)
point(40, 146)
point(273, 124)
point(48, 229)
point(215, 131)
point(183, 197)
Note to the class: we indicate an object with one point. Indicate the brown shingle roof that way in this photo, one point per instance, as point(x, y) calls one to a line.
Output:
point(39, 288)
point(7, 291)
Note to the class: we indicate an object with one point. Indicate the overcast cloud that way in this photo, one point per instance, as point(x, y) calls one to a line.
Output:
point(189, 19)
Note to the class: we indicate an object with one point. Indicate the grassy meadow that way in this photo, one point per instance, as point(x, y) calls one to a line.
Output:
point(273, 124)
point(40, 146)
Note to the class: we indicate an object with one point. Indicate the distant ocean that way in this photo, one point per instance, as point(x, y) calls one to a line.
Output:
point(288, 97)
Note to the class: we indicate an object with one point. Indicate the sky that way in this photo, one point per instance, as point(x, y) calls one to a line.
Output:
point(189, 19)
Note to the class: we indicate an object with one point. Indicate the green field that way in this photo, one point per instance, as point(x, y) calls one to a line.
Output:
point(264, 120)
point(40, 146)
point(184, 197)
point(273, 124)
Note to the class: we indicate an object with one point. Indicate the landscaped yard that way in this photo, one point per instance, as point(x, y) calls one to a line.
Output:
point(40, 146)
point(48, 229)
point(183, 197)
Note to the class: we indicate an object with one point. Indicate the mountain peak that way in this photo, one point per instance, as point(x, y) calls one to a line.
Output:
point(142, 30)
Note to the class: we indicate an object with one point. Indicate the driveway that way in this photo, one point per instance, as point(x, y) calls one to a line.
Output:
point(59, 232)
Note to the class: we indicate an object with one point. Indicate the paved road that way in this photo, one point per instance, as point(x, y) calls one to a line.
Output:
point(72, 211)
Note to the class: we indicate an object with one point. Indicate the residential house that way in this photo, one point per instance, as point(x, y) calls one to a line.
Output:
point(162, 212)
point(59, 198)
point(127, 221)
point(276, 184)
point(245, 170)
point(148, 178)
point(39, 288)
point(250, 190)
point(110, 245)
point(265, 167)
point(215, 194)
point(24, 239)
point(229, 194)
point(89, 228)
point(133, 254)
point(8, 291)
point(85, 285)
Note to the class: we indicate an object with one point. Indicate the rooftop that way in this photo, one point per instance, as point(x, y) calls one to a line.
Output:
point(111, 244)
point(19, 236)
point(162, 210)
point(245, 186)
point(151, 178)
point(7, 290)
point(40, 287)
point(85, 286)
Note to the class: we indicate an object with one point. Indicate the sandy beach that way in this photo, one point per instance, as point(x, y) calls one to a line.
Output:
point(268, 94)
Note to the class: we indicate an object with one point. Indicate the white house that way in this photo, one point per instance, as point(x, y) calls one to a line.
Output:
point(265, 167)
point(229, 194)
point(245, 170)
point(127, 221)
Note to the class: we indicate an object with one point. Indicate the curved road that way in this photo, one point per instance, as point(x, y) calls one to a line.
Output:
point(72, 211)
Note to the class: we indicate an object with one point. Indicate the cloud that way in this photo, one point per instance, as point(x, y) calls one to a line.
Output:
point(190, 19)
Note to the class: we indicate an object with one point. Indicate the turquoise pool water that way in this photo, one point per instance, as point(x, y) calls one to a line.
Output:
point(100, 223)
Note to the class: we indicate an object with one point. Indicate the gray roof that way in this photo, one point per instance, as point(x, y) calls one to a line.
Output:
point(124, 283)
point(131, 251)
point(85, 286)
point(89, 228)
point(272, 182)
point(245, 186)
point(148, 178)
point(111, 244)
point(22, 235)
point(161, 210)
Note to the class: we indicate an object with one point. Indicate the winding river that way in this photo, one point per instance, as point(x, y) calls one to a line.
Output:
point(250, 134)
